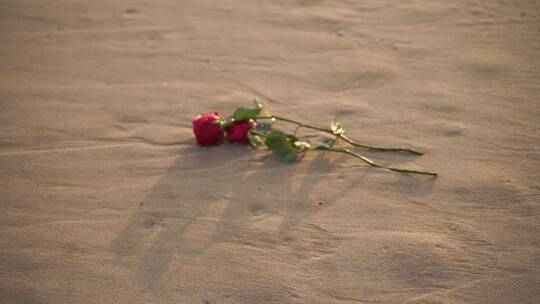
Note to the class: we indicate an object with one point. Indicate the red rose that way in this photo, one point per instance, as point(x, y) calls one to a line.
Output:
point(206, 129)
point(238, 131)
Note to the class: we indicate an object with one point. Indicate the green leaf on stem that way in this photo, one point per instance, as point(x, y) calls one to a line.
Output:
point(290, 156)
point(325, 145)
point(283, 145)
point(336, 127)
point(245, 113)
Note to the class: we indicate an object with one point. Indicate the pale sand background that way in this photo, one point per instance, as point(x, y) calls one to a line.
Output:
point(105, 198)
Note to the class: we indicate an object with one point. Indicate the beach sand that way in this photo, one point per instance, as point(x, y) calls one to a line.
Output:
point(106, 198)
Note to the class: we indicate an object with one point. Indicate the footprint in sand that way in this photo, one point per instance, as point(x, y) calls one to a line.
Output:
point(131, 11)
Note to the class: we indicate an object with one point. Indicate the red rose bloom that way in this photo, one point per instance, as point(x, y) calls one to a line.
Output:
point(206, 129)
point(238, 131)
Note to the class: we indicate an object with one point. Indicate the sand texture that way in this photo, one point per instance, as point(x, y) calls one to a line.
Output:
point(106, 198)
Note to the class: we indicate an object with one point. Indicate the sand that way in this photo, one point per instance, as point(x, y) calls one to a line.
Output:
point(106, 198)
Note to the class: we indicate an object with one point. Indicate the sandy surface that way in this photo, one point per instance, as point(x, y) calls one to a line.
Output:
point(105, 198)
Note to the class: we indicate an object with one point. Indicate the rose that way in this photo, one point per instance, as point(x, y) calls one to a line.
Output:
point(238, 131)
point(207, 130)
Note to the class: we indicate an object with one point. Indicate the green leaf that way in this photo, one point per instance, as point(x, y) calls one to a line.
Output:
point(336, 127)
point(289, 156)
point(245, 113)
point(282, 145)
point(325, 145)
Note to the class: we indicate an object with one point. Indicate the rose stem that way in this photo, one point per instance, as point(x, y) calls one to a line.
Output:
point(345, 138)
point(374, 164)
point(367, 160)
